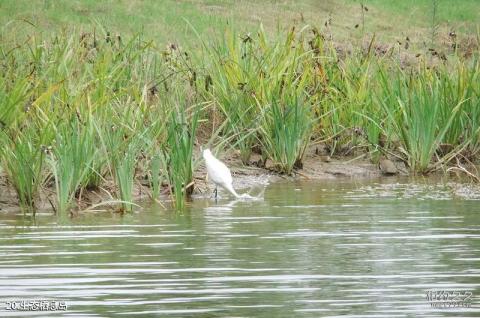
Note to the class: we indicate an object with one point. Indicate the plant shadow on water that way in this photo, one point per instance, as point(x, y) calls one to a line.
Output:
point(307, 249)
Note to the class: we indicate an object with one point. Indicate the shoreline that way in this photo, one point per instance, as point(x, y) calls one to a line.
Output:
point(315, 167)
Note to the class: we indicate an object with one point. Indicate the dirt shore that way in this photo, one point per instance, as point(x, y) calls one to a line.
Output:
point(315, 167)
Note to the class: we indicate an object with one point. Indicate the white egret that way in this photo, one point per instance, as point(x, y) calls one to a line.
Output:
point(219, 173)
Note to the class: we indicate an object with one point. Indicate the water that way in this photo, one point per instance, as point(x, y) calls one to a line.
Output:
point(307, 250)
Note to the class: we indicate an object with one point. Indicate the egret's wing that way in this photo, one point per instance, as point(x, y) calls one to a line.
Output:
point(218, 172)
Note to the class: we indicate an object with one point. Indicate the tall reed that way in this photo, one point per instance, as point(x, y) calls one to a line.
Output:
point(177, 155)
point(22, 157)
point(73, 155)
point(261, 88)
point(414, 105)
point(122, 139)
point(237, 71)
point(286, 131)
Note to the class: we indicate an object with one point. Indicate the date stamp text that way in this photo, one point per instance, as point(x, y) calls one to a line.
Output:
point(35, 305)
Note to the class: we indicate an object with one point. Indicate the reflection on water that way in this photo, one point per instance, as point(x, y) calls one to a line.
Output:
point(306, 250)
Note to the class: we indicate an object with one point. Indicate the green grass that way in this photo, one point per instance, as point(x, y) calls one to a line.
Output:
point(419, 114)
point(72, 163)
point(164, 21)
point(123, 138)
point(177, 152)
point(463, 11)
point(23, 156)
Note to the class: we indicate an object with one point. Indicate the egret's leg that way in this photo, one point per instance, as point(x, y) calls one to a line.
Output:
point(216, 192)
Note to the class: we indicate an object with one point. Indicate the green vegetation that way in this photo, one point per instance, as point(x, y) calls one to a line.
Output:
point(164, 21)
point(87, 111)
point(23, 156)
point(178, 152)
point(73, 156)
point(428, 110)
point(259, 84)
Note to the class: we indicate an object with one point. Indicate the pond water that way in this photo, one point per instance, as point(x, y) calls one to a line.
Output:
point(308, 249)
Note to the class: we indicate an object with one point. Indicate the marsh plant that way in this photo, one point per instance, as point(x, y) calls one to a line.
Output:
point(261, 89)
point(23, 154)
point(122, 145)
point(237, 72)
point(425, 110)
point(286, 132)
point(177, 154)
point(72, 161)
point(123, 138)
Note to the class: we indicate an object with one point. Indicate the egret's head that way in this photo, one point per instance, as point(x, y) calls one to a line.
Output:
point(206, 152)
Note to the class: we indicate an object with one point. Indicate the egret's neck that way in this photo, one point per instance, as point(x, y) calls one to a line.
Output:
point(207, 155)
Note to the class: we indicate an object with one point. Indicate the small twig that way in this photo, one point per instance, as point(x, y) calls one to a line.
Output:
point(356, 158)
point(53, 206)
point(464, 170)
point(109, 194)
point(301, 174)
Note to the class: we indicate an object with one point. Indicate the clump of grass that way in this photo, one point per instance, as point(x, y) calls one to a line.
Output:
point(22, 157)
point(461, 85)
point(346, 99)
point(414, 105)
point(261, 88)
point(123, 139)
point(151, 166)
point(73, 155)
point(122, 155)
point(177, 155)
point(286, 131)
point(237, 70)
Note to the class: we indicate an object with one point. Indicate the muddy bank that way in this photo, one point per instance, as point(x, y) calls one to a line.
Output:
point(315, 167)
point(246, 179)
